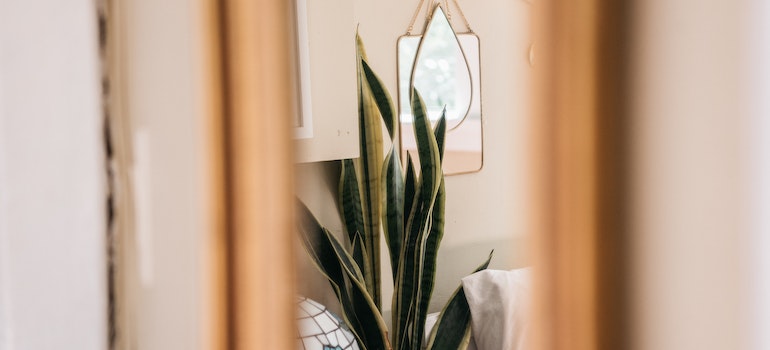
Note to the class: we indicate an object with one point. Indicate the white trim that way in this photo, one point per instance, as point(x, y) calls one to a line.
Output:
point(142, 175)
point(305, 129)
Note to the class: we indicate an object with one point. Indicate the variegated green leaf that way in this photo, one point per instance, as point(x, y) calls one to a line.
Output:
point(393, 206)
point(418, 225)
point(440, 132)
point(321, 253)
point(346, 279)
point(360, 49)
point(370, 162)
point(382, 98)
point(350, 200)
point(453, 327)
point(358, 250)
point(409, 188)
point(374, 329)
point(433, 240)
point(430, 256)
point(427, 148)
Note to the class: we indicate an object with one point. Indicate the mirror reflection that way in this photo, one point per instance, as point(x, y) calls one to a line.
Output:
point(444, 68)
point(440, 71)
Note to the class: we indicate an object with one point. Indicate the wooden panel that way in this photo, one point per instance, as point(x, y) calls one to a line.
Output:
point(258, 134)
point(580, 113)
point(215, 321)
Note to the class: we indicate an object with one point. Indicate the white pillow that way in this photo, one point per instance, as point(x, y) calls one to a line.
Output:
point(500, 303)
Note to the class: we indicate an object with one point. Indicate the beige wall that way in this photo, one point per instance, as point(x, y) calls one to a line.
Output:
point(158, 114)
point(691, 173)
point(479, 216)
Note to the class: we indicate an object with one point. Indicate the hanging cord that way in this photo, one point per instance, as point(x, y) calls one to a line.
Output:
point(462, 15)
point(447, 9)
point(414, 18)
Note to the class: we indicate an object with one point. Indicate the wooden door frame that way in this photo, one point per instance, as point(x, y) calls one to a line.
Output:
point(258, 163)
point(252, 156)
point(581, 116)
point(581, 80)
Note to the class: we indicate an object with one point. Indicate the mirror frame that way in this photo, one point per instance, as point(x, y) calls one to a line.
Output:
point(473, 88)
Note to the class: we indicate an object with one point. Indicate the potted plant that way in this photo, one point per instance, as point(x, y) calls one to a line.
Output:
point(376, 190)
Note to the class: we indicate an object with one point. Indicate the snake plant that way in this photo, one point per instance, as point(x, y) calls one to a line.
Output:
point(377, 191)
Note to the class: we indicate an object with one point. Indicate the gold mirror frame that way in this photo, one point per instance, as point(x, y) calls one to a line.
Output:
point(474, 74)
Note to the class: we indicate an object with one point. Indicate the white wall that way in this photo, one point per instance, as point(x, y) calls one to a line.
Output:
point(478, 217)
point(52, 178)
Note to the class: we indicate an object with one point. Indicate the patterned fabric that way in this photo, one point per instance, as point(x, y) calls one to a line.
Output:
point(319, 329)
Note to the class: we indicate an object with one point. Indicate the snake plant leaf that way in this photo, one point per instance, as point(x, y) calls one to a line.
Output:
point(453, 327)
point(346, 279)
point(317, 245)
point(409, 199)
point(358, 251)
point(427, 148)
point(433, 239)
point(360, 48)
point(350, 201)
point(393, 206)
point(409, 188)
point(346, 261)
point(430, 257)
point(382, 98)
point(418, 226)
point(457, 333)
point(374, 329)
point(440, 132)
point(370, 162)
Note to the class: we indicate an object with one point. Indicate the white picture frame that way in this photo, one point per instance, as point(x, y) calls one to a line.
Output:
point(327, 125)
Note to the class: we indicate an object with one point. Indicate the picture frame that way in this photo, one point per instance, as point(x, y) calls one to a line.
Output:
point(326, 124)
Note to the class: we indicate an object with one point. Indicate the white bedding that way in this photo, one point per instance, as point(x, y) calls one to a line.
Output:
point(500, 304)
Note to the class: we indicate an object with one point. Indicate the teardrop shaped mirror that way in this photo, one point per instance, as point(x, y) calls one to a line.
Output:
point(444, 67)
point(441, 73)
